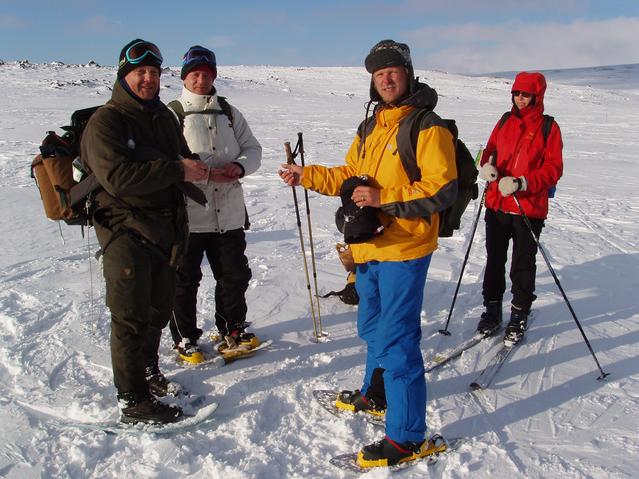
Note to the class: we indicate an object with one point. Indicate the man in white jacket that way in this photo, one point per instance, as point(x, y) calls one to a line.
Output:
point(220, 135)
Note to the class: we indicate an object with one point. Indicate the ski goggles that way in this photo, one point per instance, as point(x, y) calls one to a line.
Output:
point(137, 52)
point(525, 94)
point(199, 55)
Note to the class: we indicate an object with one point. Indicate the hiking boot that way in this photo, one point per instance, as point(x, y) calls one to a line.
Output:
point(387, 452)
point(517, 326)
point(189, 351)
point(490, 319)
point(147, 409)
point(355, 401)
point(239, 339)
point(158, 384)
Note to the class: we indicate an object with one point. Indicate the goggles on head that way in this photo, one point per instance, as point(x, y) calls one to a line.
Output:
point(199, 55)
point(137, 52)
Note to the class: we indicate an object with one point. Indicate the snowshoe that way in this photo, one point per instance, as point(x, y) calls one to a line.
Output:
point(239, 340)
point(387, 452)
point(188, 351)
point(355, 401)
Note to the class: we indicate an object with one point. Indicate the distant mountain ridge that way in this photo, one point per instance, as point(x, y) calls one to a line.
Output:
point(612, 77)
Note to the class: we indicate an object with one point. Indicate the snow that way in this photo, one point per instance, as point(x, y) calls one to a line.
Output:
point(546, 414)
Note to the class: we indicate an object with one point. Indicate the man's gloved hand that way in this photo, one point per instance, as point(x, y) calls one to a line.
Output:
point(509, 185)
point(488, 172)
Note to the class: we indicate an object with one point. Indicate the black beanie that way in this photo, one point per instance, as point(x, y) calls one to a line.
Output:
point(124, 66)
point(196, 56)
point(389, 53)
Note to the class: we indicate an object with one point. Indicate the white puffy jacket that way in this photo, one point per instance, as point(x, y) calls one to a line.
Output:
point(212, 137)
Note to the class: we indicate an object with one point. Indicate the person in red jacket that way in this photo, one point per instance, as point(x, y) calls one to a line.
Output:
point(519, 160)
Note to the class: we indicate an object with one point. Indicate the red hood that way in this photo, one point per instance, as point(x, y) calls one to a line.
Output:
point(531, 82)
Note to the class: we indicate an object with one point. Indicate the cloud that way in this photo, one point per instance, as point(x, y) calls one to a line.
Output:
point(95, 25)
point(475, 48)
point(11, 22)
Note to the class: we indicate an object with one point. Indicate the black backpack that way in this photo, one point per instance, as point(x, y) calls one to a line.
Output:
point(409, 128)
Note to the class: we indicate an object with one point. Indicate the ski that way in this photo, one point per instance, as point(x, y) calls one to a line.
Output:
point(487, 375)
point(193, 416)
point(442, 447)
point(451, 353)
point(188, 422)
point(326, 398)
point(485, 378)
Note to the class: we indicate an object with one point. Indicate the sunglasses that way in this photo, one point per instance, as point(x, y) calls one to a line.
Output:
point(522, 93)
point(139, 51)
point(198, 55)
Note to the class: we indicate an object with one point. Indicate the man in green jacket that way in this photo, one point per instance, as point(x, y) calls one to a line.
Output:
point(139, 157)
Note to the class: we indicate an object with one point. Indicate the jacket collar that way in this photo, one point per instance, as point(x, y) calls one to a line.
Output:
point(193, 101)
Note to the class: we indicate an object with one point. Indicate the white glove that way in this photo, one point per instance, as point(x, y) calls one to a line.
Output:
point(488, 172)
point(509, 185)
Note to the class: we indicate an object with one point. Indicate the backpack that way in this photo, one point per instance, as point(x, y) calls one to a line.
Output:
point(225, 109)
point(545, 131)
point(545, 128)
point(409, 128)
point(58, 172)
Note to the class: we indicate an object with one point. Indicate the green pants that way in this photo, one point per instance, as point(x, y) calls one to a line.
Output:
point(140, 287)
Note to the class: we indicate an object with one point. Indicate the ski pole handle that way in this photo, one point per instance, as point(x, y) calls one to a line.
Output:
point(289, 153)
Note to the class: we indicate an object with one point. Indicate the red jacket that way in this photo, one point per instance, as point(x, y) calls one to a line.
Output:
point(520, 150)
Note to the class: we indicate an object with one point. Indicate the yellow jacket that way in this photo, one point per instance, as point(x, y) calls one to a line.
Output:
point(408, 210)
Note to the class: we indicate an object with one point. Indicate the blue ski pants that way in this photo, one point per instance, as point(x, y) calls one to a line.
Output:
point(388, 320)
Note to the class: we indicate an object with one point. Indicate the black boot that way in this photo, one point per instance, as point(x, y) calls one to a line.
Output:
point(490, 319)
point(387, 452)
point(517, 325)
point(355, 401)
point(158, 384)
point(145, 408)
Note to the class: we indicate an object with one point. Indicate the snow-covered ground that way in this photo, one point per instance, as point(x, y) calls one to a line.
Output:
point(546, 415)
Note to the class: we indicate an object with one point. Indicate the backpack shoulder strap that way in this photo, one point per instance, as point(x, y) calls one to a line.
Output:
point(545, 129)
point(225, 106)
point(407, 136)
point(178, 109)
point(503, 119)
point(364, 129)
point(225, 109)
point(547, 126)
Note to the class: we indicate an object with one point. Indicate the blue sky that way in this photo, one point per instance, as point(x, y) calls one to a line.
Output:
point(465, 36)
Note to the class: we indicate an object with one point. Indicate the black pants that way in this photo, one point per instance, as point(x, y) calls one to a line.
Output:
point(225, 253)
point(500, 228)
point(140, 287)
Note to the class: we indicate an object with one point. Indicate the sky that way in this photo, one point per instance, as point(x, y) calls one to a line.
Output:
point(464, 36)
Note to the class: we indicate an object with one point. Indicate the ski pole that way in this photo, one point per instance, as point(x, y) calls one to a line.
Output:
point(552, 271)
point(300, 147)
point(290, 161)
point(445, 331)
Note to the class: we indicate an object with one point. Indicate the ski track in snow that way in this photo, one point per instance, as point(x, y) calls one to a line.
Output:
point(545, 416)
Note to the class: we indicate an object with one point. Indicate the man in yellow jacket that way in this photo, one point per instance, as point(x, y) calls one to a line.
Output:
point(392, 264)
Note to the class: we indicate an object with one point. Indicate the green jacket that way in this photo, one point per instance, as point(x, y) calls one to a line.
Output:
point(133, 150)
